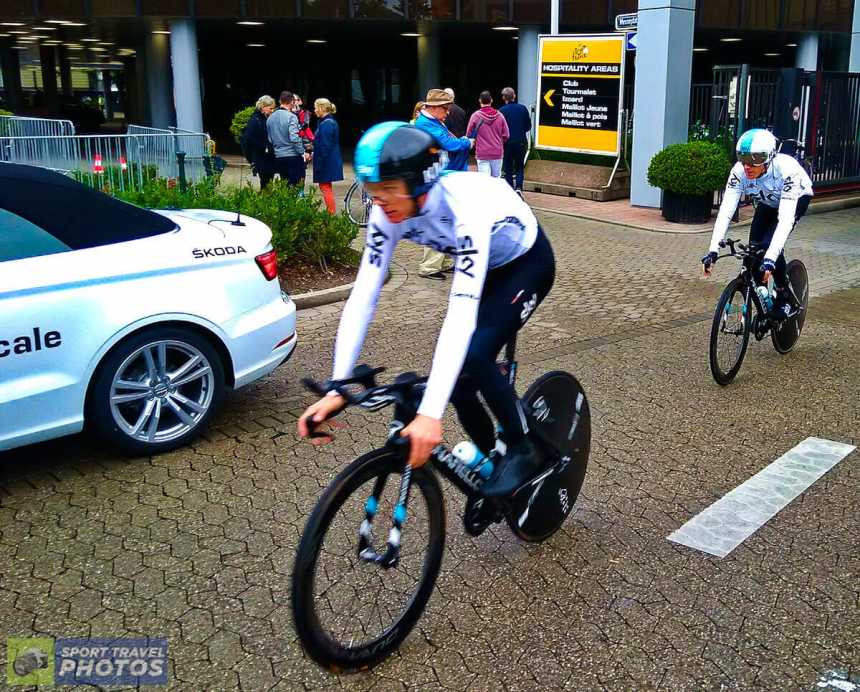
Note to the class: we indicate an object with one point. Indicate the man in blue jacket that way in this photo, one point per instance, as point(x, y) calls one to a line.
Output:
point(519, 125)
point(431, 119)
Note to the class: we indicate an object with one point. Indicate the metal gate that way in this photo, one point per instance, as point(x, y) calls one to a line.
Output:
point(833, 136)
point(826, 113)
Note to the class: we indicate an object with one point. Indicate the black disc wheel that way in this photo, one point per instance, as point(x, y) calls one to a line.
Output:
point(730, 332)
point(559, 417)
point(786, 334)
point(350, 613)
point(357, 205)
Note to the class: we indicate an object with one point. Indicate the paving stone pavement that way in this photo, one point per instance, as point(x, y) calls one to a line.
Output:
point(198, 545)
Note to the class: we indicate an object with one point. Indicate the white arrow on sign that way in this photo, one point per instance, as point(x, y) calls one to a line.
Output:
point(632, 40)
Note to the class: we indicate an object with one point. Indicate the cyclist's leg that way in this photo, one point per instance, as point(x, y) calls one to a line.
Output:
point(473, 415)
point(511, 294)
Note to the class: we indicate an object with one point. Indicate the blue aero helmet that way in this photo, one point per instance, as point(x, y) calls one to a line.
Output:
point(756, 147)
point(395, 150)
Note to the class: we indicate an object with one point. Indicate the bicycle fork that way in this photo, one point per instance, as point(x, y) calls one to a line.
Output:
point(366, 551)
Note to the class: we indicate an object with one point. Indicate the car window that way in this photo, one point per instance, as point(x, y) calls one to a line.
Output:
point(20, 238)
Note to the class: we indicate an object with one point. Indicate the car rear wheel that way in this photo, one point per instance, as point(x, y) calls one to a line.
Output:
point(157, 390)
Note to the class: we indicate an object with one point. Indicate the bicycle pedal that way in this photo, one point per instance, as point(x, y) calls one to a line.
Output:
point(479, 515)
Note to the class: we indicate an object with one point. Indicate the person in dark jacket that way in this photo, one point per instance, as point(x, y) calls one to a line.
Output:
point(456, 120)
point(519, 126)
point(328, 164)
point(255, 142)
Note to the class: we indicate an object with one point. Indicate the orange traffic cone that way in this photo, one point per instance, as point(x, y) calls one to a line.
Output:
point(122, 163)
point(98, 168)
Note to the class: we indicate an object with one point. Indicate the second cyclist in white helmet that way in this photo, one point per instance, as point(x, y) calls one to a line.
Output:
point(783, 191)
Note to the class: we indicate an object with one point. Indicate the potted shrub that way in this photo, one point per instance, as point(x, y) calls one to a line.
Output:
point(689, 174)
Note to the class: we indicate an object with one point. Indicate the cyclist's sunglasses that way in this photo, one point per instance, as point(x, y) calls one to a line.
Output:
point(756, 159)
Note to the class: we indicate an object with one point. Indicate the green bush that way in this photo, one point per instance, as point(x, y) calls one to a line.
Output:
point(114, 176)
point(2, 112)
point(300, 224)
point(694, 168)
point(240, 120)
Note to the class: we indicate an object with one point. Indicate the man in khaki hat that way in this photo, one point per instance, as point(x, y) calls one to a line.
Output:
point(432, 121)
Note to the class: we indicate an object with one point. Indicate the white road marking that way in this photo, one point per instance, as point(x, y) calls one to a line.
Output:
point(727, 523)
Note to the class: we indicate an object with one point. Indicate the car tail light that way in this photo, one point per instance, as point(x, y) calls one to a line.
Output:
point(268, 264)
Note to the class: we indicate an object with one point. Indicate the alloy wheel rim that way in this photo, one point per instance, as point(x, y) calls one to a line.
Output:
point(161, 391)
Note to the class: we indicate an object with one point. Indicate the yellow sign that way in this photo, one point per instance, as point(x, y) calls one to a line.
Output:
point(581, 80)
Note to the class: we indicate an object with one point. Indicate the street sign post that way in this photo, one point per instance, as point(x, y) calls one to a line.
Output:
point(581, 90)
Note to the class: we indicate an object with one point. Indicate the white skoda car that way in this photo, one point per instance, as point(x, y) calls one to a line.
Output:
point(128, 321)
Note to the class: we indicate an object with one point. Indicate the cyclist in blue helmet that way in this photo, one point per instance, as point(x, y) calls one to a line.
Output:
point(783, 191)
point(504, 267)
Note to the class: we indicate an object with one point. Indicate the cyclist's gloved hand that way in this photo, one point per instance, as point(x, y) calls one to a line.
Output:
point(767, 267)
point(709, 261)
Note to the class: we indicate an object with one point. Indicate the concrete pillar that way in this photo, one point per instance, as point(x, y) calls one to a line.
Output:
point(854, 60)
point(806, 56)
point(661, 107)
point(428, 58)
point(186, 75)
point(158, 92)
point(65, 73)
point(48, 60)
point(10, 63)
point(527, 66)
point(107, 83)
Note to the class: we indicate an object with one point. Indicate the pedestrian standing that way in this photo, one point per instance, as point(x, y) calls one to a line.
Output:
point(283, 127)
point(456, 118)
point(431, 119)
point(305, 132)
point(255, 142)
point(519, 126)
point(328, 164)
point(489, 129)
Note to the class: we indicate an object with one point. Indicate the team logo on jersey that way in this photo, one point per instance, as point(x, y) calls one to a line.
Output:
point(507, 221)
point(734, 181)
point(788, 185)
point(375, 241)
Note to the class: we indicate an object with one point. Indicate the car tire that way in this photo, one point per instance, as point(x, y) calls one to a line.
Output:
point(143, 403)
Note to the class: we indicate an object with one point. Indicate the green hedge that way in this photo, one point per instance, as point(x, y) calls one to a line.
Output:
point(240, 120)
point(694, 168)
point(300, 224)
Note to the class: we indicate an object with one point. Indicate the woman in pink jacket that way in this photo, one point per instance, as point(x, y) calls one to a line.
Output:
point(490, 130)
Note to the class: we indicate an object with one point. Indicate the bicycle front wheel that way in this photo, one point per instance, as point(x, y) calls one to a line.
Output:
point(730, 332)
point(357, 205)
point(786, 334)
point(350, 613)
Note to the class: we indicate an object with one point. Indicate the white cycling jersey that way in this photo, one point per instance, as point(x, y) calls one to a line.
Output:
point(781, 186)
point(477, 219)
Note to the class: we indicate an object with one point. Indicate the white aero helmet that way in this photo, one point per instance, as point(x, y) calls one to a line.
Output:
point(756, 147)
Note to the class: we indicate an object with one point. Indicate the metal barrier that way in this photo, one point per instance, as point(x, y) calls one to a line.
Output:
point(18, 126)
point(113, 162)
point(164, 148)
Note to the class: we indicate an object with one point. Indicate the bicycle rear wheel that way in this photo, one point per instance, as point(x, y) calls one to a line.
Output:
point(349, 613)
point(559, 416)
point(357, 205)
point(730, 332)
point(786, 334)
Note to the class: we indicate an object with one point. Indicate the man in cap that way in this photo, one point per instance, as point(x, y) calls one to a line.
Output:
point(432, 120)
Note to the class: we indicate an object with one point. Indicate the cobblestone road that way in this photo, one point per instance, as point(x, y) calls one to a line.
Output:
point(198, 545)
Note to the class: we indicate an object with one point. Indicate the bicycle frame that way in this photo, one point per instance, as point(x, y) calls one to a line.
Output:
point(468, 481)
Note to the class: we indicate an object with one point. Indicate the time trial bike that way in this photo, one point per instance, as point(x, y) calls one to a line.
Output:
point(355, 598)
